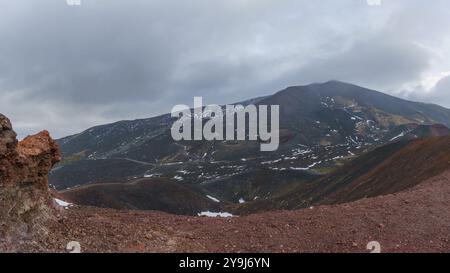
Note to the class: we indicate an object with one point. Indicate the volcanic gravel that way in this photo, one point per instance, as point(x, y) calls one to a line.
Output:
point(417, 220)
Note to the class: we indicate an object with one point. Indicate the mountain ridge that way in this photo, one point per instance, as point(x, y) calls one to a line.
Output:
point(257, 99)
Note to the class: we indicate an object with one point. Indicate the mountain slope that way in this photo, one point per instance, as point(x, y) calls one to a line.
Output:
point(358, 98)
point(337, 106)
point(386, 170)
point(415, 221)
point(144, 194)
point(354, 112)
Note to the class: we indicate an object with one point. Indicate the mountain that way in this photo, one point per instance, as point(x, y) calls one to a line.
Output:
point(322, 126)
point(386, 170)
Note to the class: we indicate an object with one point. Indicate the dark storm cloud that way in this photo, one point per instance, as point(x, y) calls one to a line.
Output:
point(67, 68)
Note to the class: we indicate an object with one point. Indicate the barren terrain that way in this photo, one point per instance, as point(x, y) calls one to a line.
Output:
point(416, 220)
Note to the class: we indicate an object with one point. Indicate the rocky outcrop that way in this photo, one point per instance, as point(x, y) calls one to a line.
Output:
point(25, 201)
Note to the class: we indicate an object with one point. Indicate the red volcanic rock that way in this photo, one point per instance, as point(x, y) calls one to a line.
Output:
point(25, 200)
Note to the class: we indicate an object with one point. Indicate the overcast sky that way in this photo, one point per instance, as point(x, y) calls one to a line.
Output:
point(66, 68)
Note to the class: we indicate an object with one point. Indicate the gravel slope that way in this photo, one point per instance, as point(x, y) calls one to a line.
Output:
point(416, 220)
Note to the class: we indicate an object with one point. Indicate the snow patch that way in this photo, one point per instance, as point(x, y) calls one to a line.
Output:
point(271, 162)
point(62, 203)
point(179, 178)
point(152, 175)
point(214, 199)
point(215, 214)
point(307, 168)
point(397, 137)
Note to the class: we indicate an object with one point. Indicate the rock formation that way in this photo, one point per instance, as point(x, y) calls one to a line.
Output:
point(25, 201)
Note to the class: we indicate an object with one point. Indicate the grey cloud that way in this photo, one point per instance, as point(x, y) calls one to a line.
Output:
point(375, 63)
point(440, 94)
point(67, 68)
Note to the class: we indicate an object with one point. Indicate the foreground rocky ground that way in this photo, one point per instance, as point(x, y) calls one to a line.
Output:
point(417, 220)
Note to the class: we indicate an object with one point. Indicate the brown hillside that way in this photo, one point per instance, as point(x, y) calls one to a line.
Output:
point(385, 170)
point(416, 220)
point(160, 194)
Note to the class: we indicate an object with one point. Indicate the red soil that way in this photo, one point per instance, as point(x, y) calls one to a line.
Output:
point(416, 220)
